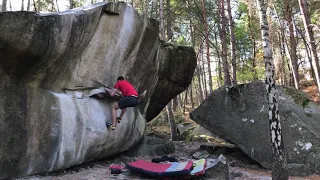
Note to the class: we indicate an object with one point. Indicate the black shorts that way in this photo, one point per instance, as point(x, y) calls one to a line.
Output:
point(128, 101)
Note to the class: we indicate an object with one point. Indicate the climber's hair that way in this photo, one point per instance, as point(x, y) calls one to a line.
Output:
point(120, 78)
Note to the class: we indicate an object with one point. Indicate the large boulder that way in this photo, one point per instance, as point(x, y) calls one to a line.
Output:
point(175, 76)
point(240, 115)
point(52, 64)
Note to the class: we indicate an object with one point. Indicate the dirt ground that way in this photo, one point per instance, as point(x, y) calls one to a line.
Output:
point(312, 91)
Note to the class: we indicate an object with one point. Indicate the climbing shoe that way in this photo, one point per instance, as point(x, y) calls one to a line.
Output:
point(172, 159)
point(156, 160)
point(111, 126)
point(164, 158)
point(118, 119)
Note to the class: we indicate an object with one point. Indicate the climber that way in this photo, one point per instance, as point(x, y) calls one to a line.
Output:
point(130, 99)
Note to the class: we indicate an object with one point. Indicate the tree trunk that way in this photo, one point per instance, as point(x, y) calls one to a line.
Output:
point(200, 86)
point(223, 38)
point(289, 62)
point(22, 5)
point(191, 95)
point(169, 19)
point(52, 6)
point(219, 57)
point(193, 45)
point(175, 104)
point(207, 44)
point(152, 9)
point(233, 45)
point(193, 41)
point(279, 167)
point(286, 50)
point(180, 101)
point(185, 100)
point(285, 62)
point(173, 127)
point(39, 6)
point(35, 6)
point(253, 41)
point(57, 6)
point(308, 53)
point(4, 6)
point(311, 41)
point(162, 34)
point(282, 54)
point(204, 79)
point(255, 75)
point(71, 4)
point(293, 44)
point(28, 6)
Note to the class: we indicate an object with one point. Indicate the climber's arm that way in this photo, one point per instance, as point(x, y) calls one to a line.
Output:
point(114, 91)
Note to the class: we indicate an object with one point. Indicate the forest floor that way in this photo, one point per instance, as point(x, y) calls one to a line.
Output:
point(312, 91)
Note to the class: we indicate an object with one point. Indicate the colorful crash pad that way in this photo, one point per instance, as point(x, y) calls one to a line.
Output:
point(161, 170)
point(199, 168)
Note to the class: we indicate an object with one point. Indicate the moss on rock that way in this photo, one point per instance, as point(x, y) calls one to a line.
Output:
point(162, 119)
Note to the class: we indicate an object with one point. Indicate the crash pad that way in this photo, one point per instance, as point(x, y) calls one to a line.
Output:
point(161, 170)
point(199, 168)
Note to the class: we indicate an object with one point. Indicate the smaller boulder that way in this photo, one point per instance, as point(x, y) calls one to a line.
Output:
point(202, 154)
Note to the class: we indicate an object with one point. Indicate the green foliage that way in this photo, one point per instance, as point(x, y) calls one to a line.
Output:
point(315, 16)
point(182, 14)
point(162, 118)
point(314, 8)
point(216, 79)
point(181, 40)
point(45, 5)
point(247, 74)
point(78, 3)
point(242, 9)
point(242, 37)
point(279, 7)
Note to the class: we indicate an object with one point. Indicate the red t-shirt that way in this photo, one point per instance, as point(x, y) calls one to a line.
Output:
point(126, 88)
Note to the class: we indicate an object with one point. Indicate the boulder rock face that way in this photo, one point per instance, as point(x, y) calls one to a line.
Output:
point(50, 66)
point(240, 115)
point(174, 76)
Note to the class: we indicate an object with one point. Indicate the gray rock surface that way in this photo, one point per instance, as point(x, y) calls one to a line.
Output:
point(201, 154)
point(174, 76)
point(51, 64)
point(240, 116)
point(151, 146)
